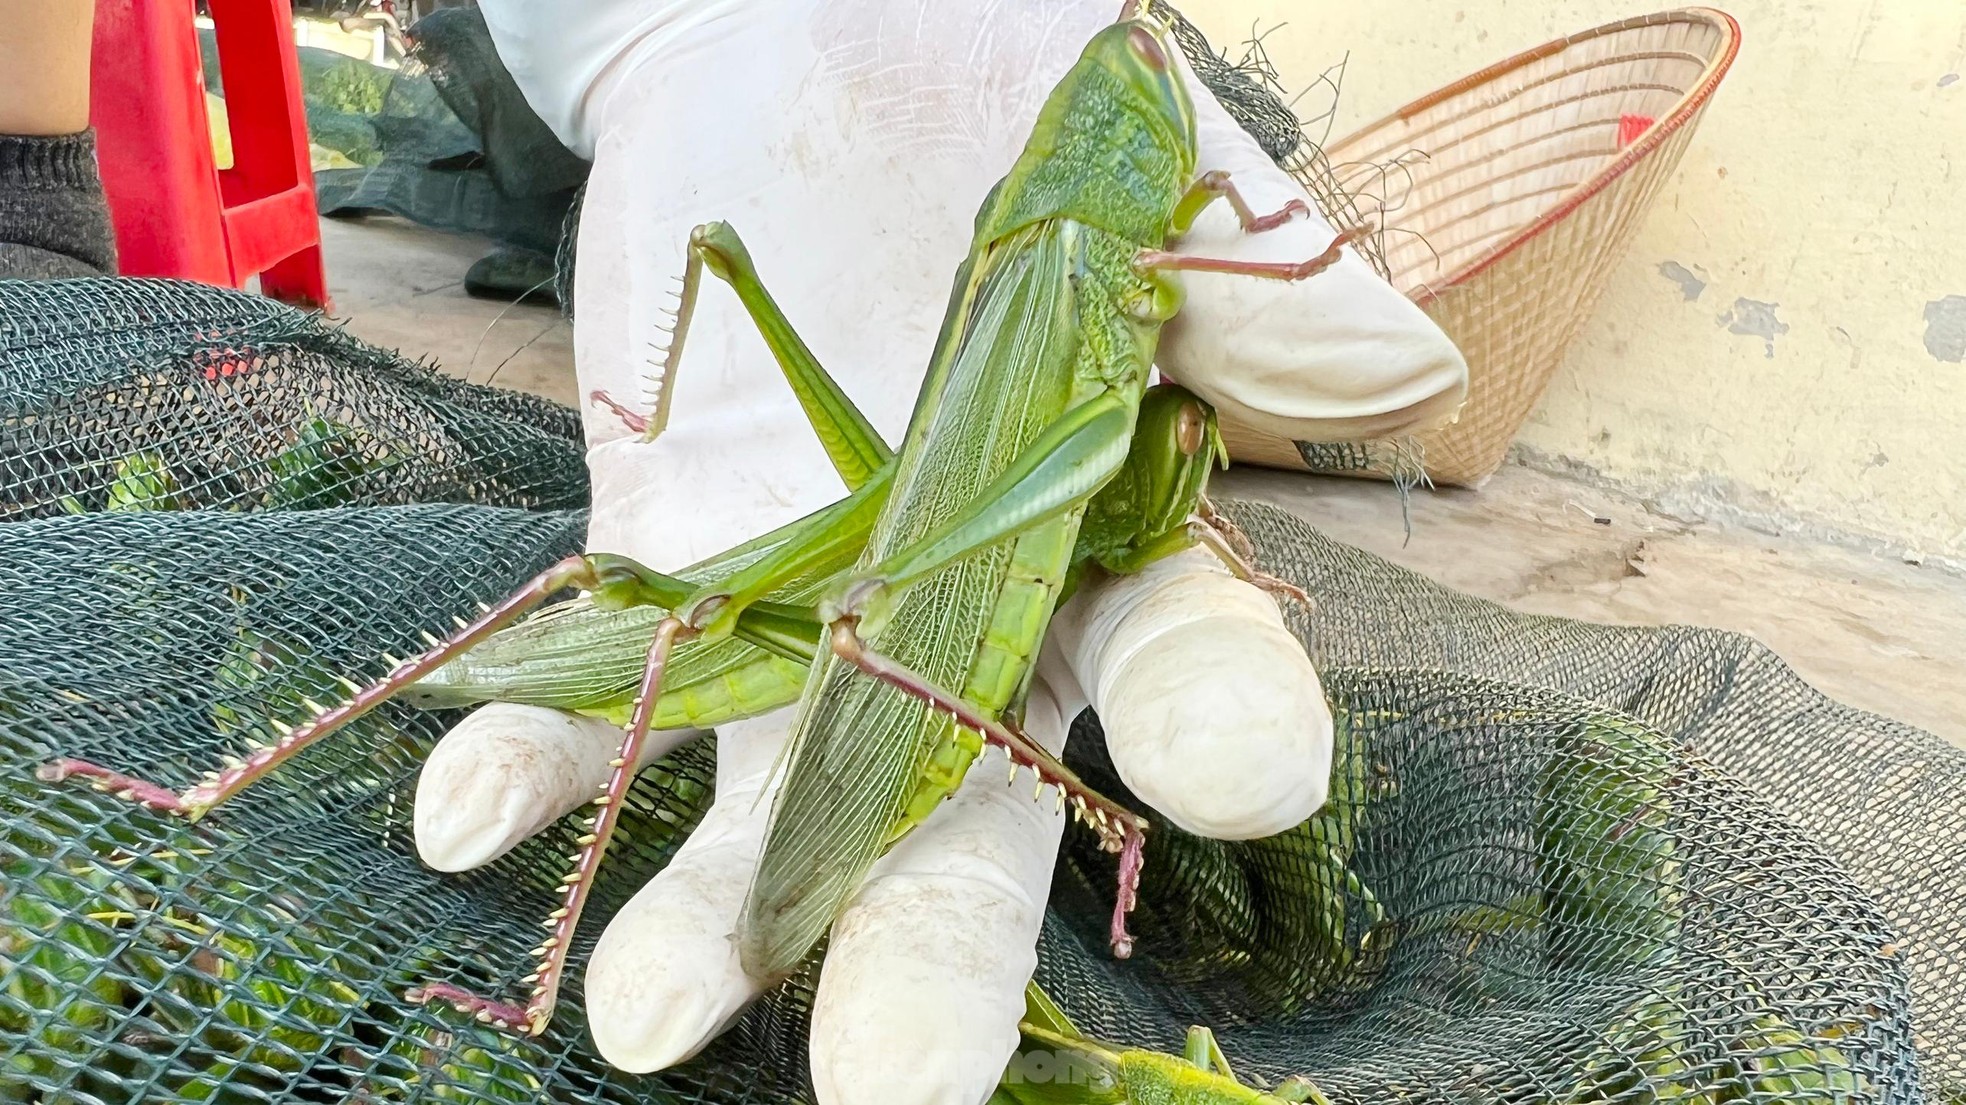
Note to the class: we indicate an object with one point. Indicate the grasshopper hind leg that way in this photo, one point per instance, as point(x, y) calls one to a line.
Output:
point(533, 1017)
point(220, 786)
point(1120, 829)
point(614, 582)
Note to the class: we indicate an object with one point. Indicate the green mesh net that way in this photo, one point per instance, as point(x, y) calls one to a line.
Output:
point(1561, 862)
point(149, 395)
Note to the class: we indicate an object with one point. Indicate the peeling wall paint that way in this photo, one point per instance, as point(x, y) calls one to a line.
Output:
point(1945, 328)
point(1819, 214)
point(1757, 319)
point(1690, 285)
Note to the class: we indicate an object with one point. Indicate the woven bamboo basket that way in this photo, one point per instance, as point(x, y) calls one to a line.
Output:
point(1528, 181)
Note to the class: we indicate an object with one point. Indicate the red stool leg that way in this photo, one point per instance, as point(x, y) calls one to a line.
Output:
point(272, 224)
point(301, 279)
point(147, 103)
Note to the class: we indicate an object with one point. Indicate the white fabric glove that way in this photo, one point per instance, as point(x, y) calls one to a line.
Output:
point(850, 142)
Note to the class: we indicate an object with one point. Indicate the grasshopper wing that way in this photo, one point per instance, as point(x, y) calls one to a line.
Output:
point(859, 747)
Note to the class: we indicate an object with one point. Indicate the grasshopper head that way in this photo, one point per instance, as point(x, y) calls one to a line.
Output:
point(1140, 52)
point(1175, 443)
point(1159, 489)
point(1113, 147)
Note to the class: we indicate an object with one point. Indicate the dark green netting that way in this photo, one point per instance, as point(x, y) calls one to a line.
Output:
point(1533, 883)
point(1551, 903)
point(1887, 800)
point(446, 140)
point(162, 395)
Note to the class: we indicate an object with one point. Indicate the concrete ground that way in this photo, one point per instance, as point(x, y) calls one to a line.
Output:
point(1869, 629)
point(401, 287)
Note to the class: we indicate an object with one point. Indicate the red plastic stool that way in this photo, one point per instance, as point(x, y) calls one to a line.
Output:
point(175, 212)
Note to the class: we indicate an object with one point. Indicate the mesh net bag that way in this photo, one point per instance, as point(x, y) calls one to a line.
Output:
point(1886, 800)
point(1536, 880)
point(151, 395)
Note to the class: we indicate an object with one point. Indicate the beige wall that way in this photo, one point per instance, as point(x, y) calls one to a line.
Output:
point(1827, 186)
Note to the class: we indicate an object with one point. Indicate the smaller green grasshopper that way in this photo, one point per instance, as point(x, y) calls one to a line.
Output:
point(1056, 1065)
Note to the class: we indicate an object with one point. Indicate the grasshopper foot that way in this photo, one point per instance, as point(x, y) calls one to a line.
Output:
point(498, 1014)
point(1283, 589)
point(1132, 857)
point(1217, 184)
point(149, 795)
point(1223, 543)
point(1256, 224)
point(630, 419)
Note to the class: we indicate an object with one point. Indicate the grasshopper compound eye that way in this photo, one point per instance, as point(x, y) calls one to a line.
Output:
point(1188, 429)
point(1147, 48)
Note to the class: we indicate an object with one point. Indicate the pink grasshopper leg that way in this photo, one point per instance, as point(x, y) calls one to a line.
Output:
point(1156, 260)
point(1221, 537)
point(1216, 184)
point(1120, 829)
point(533, 1017)
point(219, 787)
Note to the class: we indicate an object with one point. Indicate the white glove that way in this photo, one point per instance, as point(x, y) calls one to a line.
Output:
point(850, 142)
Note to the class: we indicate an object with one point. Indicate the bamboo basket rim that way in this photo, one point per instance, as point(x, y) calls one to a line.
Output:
point(1682, 111)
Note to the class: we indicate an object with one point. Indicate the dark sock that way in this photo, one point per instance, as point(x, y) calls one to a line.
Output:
point(54, 220)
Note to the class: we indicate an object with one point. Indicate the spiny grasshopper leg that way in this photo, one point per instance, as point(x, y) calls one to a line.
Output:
point(220, 786)
point(1120, 829)
point(533, 1017)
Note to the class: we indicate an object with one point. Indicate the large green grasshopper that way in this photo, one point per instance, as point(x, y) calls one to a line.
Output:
point(905, 618)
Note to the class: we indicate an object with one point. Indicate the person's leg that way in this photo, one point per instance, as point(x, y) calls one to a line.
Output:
point(44, 68)
point(53, 218)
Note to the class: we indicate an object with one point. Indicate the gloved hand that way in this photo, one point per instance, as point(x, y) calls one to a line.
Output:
point(851, 142)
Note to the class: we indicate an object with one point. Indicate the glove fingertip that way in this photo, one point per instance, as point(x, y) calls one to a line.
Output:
point(1213, 713)
point(497, 777)
point(665, 978)
point(921, 992)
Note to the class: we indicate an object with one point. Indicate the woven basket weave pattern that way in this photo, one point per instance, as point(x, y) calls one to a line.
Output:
point(1523, 205)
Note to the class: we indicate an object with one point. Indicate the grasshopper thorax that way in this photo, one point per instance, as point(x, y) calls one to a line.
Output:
point(1113, 147)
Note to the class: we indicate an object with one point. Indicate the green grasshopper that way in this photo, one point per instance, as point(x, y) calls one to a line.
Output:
point(904, 618)
point(1055, 1065)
